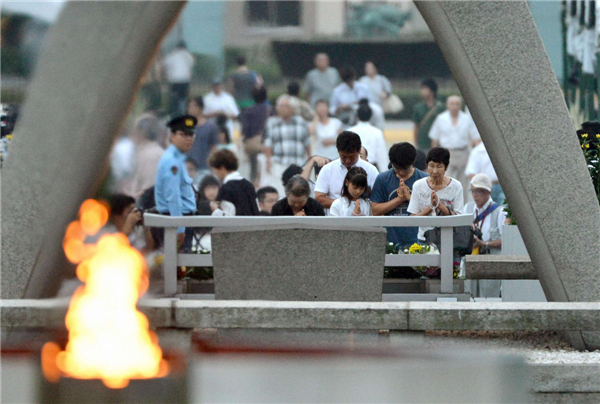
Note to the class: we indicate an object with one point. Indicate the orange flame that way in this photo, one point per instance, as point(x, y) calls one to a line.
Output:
point(108, 338)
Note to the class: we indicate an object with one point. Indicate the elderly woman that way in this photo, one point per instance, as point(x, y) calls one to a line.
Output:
point(297, 201)
point(436, 195)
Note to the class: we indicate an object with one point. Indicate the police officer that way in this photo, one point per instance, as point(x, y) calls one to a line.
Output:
point(173, 189)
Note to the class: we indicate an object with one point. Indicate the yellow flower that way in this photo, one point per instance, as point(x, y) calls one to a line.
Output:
point(584, 136)
point(598, 136)
point(415, 249)
point(9, 137)
point(159, 260)
point(587, 146)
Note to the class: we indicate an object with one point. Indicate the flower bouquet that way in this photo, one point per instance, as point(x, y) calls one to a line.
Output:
point(416, 248)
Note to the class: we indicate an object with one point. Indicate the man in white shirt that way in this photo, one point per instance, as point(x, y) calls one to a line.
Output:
point(455, 131)
point(178, 69)
point(346, 96)
point(479, 162)
point(371, 138)
point(331, 178)
point(488, 218)
point(219, 102)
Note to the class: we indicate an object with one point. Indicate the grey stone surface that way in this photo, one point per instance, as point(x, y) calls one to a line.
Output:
point(522, 291)
point(34, 313)
point(288, 315)
point(501, 67)
point(84, 85)
point(499, 267)
point(426, 316)
point(303, 263)
point(565, 398)
point(580, 378)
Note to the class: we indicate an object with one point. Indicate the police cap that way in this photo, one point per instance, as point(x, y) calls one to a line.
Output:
point(185, 123)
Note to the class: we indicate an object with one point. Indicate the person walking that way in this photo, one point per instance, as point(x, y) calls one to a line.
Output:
point(326, 130)
point(173, 191)
point(455, 131)
point(147, 129)
point(206, 139)
point(321, 80)
point(242, 82)
point(371, 137)
point(220, 103)
point(425, 113)
point(253, 121)
point(346, 95)
point(379, 86)
point(178, 67)
point(287, 140)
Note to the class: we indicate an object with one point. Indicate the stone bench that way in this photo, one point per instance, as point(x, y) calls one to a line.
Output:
point(505, 267)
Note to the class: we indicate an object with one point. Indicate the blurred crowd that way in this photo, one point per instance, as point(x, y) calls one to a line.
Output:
point(319, 149)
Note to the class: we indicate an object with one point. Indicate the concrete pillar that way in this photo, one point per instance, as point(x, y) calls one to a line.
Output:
point(499, 62)
point(87, 76)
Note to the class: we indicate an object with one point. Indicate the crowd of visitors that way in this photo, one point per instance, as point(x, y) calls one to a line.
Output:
point(351, 173)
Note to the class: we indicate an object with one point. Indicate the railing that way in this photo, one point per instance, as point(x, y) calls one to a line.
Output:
point(444, 260)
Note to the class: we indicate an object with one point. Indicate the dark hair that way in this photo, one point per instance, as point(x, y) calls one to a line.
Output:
point(293, 89)
point(192, 161)
point(297, 186)
point(363, 101)
point(322, 100)
point(118, 203)
point(207, 181)
point(199, 101)
point(241, 60)
point(223, 158)
point(373, 63)
point(439, 155)
point(402, 155)
point(348, 142)
point(431, 84)
point(289, 173)
point(259, 94)
point(356, 176)
point(261, 194)
point(347, 74)
point(364, 113)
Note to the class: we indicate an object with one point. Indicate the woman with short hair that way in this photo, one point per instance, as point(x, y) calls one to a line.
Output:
point(436, 195)
point(297, 201)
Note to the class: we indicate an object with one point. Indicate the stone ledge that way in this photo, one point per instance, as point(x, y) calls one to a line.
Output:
point(499, 267)
point(413, 316)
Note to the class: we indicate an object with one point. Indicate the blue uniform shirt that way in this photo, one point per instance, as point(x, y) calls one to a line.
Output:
point(173, 190)
point(386, 189)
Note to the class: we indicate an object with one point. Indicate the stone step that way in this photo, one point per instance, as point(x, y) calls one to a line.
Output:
point(499, 267)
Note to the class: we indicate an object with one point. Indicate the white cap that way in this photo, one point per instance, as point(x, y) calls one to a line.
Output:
point(482, 181)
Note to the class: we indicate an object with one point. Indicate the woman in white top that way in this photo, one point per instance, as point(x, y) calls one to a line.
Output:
point(355, 195)
point(436, 195)
point(379, 86)
point(326, 130)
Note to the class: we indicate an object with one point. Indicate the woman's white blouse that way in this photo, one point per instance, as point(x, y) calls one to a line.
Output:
point(340, 207)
